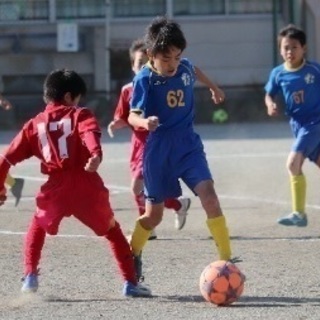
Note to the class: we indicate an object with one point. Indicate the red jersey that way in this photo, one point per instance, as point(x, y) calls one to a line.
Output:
point(123, 109)
point(61, 137)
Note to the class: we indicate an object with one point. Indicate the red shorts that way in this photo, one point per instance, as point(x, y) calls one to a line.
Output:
point(136, 158)
point(81, 194)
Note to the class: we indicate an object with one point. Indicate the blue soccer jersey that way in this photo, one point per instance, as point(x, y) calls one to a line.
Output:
point(300, 89)
point(169, 98)
point(174, 151)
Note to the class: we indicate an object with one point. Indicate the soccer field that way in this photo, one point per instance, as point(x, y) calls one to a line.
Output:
point(78, 277)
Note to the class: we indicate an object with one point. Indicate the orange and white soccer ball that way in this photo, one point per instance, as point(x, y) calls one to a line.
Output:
point(221, 283)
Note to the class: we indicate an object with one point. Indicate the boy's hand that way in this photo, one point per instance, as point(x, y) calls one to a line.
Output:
point(5, 104)
point(272, 109)
point(3, 196)
point(111, 129)
point(93, 164)
point(152, 123)
point(217, 95)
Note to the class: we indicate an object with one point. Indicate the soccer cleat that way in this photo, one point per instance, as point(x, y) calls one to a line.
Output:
point(30, 283)
point(181, 214)
point(153, 235)
point(138, 267)
point(131, 290)
point(16, 190)
point(294, 219)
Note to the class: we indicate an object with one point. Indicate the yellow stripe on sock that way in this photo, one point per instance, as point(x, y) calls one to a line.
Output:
point(139, 238)
point(298, 186)
point(219, 231)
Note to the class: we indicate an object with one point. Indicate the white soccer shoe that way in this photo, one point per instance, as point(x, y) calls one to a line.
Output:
point(181, 215)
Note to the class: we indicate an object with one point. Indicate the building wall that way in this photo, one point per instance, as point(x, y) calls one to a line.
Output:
point(235, 51)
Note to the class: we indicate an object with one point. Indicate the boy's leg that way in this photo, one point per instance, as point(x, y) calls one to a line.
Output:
point(298, 188)
point(15, 186)
point(180, 206)
point(34, 241)
point(140, 200)
point(121, 251)
point(123, 255)
point(220, 233)
point(141, 233)
point(137, 190)
point(9, 180)
point(216, 222)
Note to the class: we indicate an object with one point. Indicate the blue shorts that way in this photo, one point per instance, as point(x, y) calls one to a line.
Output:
point(307, 140)
point(171, 156)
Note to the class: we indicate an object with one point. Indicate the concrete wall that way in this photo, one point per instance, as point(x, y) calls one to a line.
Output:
point(234, 51)
point(313, 28)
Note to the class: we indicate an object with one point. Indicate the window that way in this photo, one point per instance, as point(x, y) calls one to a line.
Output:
point(198, 7)
point(138, 8)
point(249, 6)
point(80, 9)
point(210, 7)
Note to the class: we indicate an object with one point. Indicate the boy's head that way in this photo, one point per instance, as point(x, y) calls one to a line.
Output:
point(63, 86)
point(292, 44)
point(165, 43)
point(138, 55)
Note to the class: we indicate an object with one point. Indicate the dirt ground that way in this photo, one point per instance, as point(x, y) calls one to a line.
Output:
point(79, 280)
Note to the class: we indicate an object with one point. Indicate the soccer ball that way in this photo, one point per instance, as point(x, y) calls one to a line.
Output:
point(220, 116)
point(221, 283)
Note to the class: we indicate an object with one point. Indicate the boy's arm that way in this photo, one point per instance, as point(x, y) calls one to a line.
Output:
point(218, 95)
point(115, 125)
point(5, 104)
point(151, 123)
point(4, 169)
point(90, 134)
point(272, 108)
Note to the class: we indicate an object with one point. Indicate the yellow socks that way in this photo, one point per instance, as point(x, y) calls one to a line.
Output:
point(139, 238)
point(10, 181)
point(298, 193)
point(219, 231)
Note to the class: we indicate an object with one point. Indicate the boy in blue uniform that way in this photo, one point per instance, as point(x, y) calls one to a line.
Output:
point(163, 103)
point(299, 82)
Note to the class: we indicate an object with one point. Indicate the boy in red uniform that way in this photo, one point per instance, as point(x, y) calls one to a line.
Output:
point(15, 184)
point(66, 139)
point(138, 57)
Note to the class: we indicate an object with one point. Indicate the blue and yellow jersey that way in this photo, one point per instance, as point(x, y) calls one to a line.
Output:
point(171, 99)
point(300, 88)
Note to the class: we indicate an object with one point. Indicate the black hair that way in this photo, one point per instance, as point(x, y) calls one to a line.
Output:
point(137, 45)
point(292, 32)
point(59, 82)
point(162, 34)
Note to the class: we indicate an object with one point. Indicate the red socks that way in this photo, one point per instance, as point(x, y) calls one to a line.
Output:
point(34, 241)
point(122, 253)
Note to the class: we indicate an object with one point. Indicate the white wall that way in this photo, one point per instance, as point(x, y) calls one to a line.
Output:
point(233, 50)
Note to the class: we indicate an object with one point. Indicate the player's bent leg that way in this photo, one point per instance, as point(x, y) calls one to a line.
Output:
point(216, 222)
point(180, 207)
point(141, 233)
point(181, 214)
point(220, 233)
point(16, 190)
point(121, 251)
point(33, 245)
